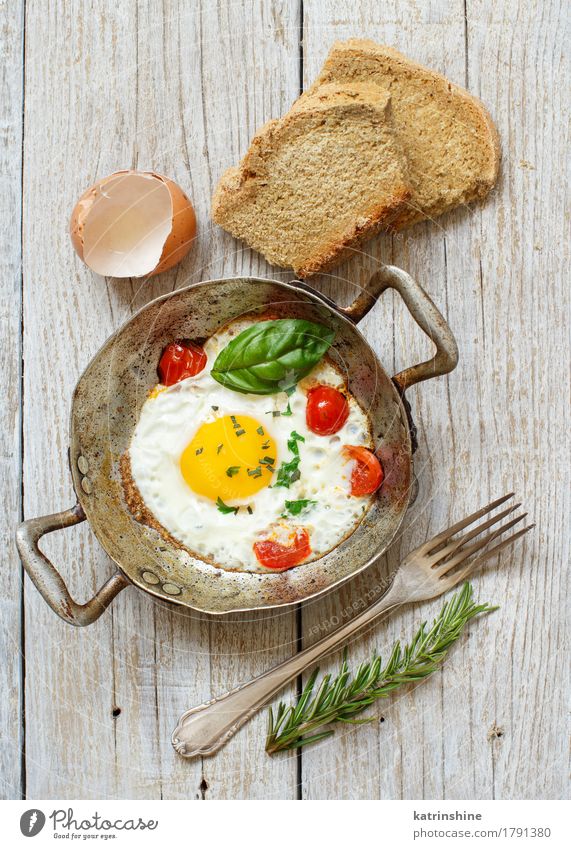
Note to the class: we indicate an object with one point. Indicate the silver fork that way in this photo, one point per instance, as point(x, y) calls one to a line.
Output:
point(428, 571)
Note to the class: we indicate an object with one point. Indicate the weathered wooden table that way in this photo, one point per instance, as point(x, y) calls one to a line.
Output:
point(180, 87)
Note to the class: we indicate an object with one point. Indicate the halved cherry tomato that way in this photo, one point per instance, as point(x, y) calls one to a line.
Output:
point(327, 410)
point(180, 360)
point(275, 555)
point(367, 474)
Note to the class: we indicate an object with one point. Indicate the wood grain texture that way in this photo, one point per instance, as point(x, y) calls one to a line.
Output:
point(168, 87)
point(523, 250)
point(491, 723)
point(77, 127)
point(396, 757)
point(11, 94)
point(180, 88)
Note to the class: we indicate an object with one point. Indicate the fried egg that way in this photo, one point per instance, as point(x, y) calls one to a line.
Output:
point(209, 464)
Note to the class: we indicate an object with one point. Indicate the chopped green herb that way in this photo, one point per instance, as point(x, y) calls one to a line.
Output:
point(224, 508)
point(268, 461)
point(219, 449)
point(199, 451)
point(289, 473)
point(232, 470)
point(290, 390)
point(255, 473)
point(277, 413)
point(240, 432)
point(266, 445)
point(260, 430)
point(215, 408)
point(294, 438)
point(297, 507)
point(249, 509)
point(234, 422)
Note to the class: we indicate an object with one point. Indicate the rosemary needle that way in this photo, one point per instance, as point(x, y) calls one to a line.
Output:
point(342, 698)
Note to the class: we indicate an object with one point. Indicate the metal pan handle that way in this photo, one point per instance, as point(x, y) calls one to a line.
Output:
point(424, 312)
point(48, 580)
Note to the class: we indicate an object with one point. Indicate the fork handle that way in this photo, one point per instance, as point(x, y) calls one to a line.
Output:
point(204, 729)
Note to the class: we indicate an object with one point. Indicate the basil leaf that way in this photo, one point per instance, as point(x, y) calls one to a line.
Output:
point(271, 356)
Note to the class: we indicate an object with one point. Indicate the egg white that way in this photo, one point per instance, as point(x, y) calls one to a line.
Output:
point(170, 418)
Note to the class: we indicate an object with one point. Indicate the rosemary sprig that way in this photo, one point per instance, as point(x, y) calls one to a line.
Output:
point(342, 698)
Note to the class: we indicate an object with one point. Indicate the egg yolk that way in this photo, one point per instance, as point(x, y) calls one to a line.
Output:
point(231, 458)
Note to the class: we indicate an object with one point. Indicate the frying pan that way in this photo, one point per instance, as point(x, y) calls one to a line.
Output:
point(106, 405)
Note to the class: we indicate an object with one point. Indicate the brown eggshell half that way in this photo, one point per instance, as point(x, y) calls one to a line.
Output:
point(183, 230)
point(182, 223)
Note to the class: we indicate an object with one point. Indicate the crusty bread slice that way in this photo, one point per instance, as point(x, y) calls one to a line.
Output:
point(316, 183)
point(450, 141)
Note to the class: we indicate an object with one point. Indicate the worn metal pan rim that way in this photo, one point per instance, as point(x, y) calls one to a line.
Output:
point(50, 583)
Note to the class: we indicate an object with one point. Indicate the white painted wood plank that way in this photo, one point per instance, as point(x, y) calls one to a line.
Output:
point(180, 90)
point(125, 90)
point(11, 52)
point(208, 110)
point(518, 61)
point(77, 127)
point(258, 80)
point(388, 760)
point(434, 743)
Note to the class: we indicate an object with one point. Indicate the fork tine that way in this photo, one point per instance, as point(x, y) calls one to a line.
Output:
point(496, 548)
point(463, 553)
point(455, 544)
point(461, 574)
point(459, 526)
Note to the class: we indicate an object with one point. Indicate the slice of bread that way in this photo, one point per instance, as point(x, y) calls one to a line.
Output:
point(450, 141)
point(316, 183)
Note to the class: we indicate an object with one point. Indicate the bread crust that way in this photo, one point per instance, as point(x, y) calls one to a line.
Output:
point(240, 184)
point(382, 218)
point(443, 139)
point(390, 63)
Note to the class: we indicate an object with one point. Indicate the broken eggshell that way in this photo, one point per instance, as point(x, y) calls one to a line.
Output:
point(132, 224)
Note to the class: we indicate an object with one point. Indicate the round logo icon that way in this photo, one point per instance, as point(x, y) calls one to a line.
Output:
point(32, 822)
